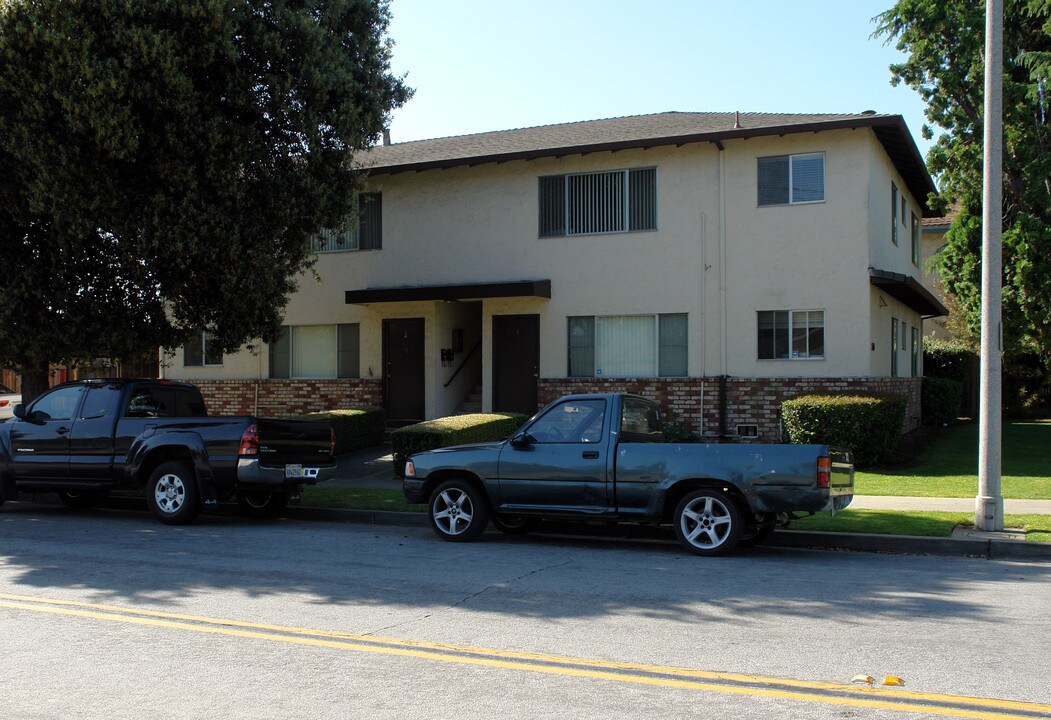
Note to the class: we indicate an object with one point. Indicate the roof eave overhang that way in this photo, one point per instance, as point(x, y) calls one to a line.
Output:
point(890, 130)
point(909, 291)
point(466, 291)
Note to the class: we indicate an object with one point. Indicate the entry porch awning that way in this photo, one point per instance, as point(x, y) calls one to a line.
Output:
point(466, 291)
point(909, 291)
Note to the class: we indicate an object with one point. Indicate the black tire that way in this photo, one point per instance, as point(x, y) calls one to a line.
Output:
point(262, 504)
point(514, 524)
point(172, 495)
point(79, 498)
point(708, 522)
point(458, 511)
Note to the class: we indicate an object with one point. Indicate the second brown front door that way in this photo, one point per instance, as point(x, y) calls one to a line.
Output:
point(403, 378)
point(516, 363)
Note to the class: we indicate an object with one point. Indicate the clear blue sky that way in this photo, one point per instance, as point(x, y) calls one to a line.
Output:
point(480, 65)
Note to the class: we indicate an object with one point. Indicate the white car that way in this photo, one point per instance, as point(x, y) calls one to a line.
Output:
point(8, 400)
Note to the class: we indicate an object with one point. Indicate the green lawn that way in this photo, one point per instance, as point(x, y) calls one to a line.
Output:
point(930, 524)
point(948, 466)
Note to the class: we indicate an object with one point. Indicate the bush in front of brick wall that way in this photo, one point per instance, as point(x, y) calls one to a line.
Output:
point(453, 430)
point(942, 398)
point(870, 427)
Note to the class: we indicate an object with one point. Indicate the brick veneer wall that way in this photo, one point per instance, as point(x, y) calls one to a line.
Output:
point(749, 401)
point(279, 398)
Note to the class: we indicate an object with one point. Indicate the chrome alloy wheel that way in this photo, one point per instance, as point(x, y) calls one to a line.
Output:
point(706, 522)
point(453, 511)
point(169, 493)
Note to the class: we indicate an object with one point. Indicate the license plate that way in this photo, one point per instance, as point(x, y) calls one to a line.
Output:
point(293, 471)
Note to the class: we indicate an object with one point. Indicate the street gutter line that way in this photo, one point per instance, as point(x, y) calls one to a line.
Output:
point(758, 686)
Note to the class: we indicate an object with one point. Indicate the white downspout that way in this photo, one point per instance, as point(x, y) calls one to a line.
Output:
point(722, 260)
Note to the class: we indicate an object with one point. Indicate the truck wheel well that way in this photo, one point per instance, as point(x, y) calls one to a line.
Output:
point(437, 478)
point(679, 490)
point(158, 457)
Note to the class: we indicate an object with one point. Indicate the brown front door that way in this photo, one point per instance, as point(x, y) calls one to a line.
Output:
point(516, 363)
point(403, 384)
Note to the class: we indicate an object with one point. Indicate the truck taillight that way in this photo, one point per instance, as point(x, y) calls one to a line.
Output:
point(4, 403)
point(249, 441)
point(824, 472)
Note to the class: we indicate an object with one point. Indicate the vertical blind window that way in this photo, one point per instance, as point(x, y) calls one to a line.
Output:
point(365, 232)
point(791, 179)
point(628, 346)
point(894, 347)
point(915, 352)
point(791, 334)
point(602, 202)
point(316, 351)
point(915, 241)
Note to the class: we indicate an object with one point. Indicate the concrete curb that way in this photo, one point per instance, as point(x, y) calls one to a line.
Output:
point(857, 542)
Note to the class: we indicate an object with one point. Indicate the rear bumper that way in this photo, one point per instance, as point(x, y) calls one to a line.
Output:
point(250, 471)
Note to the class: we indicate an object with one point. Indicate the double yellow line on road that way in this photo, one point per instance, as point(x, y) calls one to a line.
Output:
point(670, 677)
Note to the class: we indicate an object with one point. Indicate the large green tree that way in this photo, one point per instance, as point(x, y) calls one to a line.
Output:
point(163, 164)
point(945, 43)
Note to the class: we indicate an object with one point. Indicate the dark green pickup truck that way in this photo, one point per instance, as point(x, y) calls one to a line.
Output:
point(603, 457)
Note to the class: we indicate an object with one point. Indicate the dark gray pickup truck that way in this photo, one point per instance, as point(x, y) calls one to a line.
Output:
point(603, 457)
point(82, 439)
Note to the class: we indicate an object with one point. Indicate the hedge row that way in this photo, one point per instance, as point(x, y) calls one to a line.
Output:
point(453, 430)
point(355, 429)
point(946, 359)
point(870, 427)
point(941, 400)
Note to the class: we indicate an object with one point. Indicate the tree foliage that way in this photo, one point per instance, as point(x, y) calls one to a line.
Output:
point(945, 44)
point(164, 162)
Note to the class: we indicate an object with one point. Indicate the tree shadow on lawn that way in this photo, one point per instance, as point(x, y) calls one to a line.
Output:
point(120, 557)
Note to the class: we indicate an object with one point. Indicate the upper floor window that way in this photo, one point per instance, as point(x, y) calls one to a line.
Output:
point(792, 179)
point(201, 350)
point(628, 346)
point(791, 334)
point(364, 234)
point(316, 351)
point(598, 202)
point(915, 240)
point(894, 213)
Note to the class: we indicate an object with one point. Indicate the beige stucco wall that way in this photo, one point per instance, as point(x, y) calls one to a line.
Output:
point(480, 225)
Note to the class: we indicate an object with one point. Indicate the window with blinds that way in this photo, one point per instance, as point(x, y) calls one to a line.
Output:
point(365, 233)
point(791, 334)
point(599, 202)
point(628, 346)
point(791, 179)
point(316, 351)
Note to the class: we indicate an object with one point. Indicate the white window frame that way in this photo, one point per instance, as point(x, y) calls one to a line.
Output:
point(791, 313)
point(625, 173)
point(656, 317)
point(791, 172)
point(204, 353)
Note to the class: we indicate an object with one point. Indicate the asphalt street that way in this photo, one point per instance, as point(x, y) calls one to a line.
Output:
point(108, 614)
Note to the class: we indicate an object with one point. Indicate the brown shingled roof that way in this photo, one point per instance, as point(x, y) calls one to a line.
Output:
point(641, 131)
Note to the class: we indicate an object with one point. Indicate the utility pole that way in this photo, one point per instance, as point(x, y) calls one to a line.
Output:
point(989, 503)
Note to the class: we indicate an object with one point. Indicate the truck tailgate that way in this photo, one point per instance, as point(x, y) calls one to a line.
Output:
point(301, 442)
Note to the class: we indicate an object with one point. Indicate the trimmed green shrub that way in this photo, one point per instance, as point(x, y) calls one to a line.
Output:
point(941, 400)
point(355, 429)
point(452, 430)
point(946, 359)
point(870, 427)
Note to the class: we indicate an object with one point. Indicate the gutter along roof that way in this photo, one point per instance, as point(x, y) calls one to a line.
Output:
point(646, 131)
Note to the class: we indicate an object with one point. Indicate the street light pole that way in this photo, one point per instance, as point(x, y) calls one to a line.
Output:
point(989, 503)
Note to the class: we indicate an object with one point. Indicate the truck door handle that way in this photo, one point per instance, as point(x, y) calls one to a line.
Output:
point(62, 430)
point(590, 455)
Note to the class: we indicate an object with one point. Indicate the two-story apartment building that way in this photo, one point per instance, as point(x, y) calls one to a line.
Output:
point(717, 261)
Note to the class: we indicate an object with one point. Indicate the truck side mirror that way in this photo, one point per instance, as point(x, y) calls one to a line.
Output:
point(520, 439)
point(19, 411)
